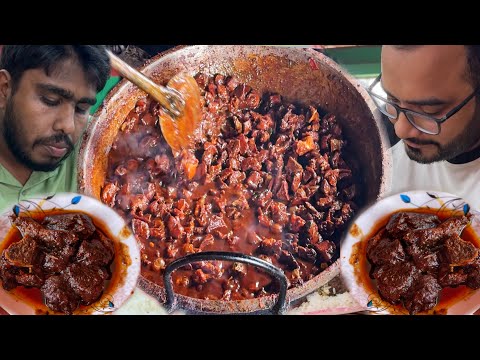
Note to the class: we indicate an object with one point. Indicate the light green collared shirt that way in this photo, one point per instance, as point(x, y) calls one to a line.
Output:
point(39, 184)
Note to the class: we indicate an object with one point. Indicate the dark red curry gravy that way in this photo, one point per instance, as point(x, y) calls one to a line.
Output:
point(271, 182)
point(362, 267)
point(33, 296)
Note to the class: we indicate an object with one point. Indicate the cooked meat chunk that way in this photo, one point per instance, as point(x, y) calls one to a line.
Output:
point(27, 226)
point(270, 246)
point(109, 193)
point(7, 274)
point(85, 281)
point(79, 224)
point(454, 225)
point(293, 167)
point(22, 253)
point(308, 254)
point(57, 260)
point(325, 250)
point(288, 259)
point(373, 242)
point(473, 270)
point(309, 234)
point(430, 238)
point(404, 222)
point(30, 280)
point(52, 239)
point(459, 252)
point(448, 277)
point(386, 251)
point(54, 263)
point(140, 229)
point(394, 281)
point(473, 280)
point(427, 262)
point(106, 241)
point(59, 296)
point(423, 295)
point(94, 253)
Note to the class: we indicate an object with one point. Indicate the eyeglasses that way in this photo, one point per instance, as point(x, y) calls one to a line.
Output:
point(422, 122)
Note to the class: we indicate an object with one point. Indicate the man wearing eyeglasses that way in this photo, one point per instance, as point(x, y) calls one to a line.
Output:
point(430, 94)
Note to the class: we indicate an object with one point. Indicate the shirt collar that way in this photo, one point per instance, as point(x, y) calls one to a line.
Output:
point(38, 177)
point(35, 178)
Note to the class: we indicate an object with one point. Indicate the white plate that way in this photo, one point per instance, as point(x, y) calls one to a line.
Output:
point(362, 227)
point(127, 257)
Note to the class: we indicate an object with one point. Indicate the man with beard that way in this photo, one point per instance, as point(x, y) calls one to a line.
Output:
point(46, 92)
point(432, 101)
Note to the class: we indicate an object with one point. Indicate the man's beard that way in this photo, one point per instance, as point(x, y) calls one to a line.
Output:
point(12, 135)
point(461, 144)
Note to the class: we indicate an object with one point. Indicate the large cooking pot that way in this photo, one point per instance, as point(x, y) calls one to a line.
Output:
point(299, 75)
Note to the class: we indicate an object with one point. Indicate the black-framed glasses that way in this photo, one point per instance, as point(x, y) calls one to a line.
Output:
point(422, 122)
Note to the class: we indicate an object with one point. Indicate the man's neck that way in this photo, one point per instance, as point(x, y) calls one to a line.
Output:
point(468, 156)
point(10, 163)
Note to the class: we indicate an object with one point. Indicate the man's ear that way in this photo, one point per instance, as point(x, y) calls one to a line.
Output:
point(5, 87)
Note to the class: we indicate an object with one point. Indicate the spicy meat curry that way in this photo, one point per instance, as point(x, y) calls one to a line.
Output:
point(272, 181)
point(418, 255)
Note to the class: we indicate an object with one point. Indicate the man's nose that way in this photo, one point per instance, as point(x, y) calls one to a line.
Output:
point(404, 129)
point(65, 119)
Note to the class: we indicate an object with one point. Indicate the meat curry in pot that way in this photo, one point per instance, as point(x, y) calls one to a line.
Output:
point(271, 181)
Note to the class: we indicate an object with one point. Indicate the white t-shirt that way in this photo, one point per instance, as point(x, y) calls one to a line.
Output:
point(462, 180)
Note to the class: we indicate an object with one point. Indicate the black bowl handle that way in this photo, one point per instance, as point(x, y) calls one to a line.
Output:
point(272, 270)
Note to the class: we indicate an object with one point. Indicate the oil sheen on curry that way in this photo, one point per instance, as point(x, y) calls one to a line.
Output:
point(271, 180)
point(58, 261)
point(420, 261)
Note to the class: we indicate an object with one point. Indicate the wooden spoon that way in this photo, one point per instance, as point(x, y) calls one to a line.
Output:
point(168, 98)
point(181, 114)
point(180, 132)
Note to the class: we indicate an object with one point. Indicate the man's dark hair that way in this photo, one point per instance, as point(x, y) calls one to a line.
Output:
point(473, 58)
point(16, 59)
point(473, 61)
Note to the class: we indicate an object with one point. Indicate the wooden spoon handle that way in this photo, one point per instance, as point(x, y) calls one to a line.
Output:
point(170, 99)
